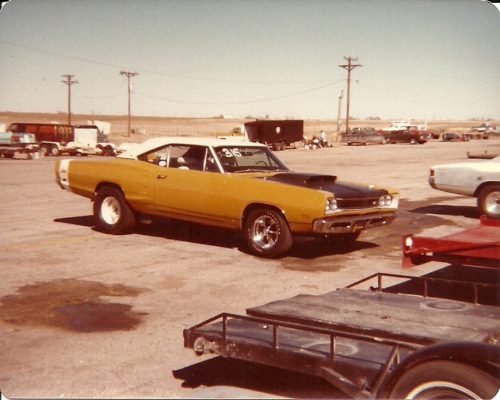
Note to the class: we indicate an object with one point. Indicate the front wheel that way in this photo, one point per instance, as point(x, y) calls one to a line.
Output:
point(445, 380)
point(488, 201)
point(267, 233)
point(112, 214)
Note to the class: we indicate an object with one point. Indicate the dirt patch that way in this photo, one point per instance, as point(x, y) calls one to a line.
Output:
point(71, 304)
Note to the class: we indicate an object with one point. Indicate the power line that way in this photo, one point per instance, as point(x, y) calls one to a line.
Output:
point(157, 72)
point(239, 102)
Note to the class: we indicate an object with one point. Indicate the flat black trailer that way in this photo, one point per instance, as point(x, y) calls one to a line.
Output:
point(390, 341)
point(277, 134)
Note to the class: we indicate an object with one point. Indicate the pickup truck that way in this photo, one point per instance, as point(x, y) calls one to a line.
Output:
point(411, 136)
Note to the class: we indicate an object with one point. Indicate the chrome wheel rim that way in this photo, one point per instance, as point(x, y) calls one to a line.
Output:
point(265, 232)
point(492, 203)
point(110, 210)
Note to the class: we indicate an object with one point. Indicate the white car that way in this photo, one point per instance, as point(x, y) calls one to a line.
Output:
point(480, 179)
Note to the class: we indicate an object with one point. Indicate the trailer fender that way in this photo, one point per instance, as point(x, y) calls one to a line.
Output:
point(483, 356)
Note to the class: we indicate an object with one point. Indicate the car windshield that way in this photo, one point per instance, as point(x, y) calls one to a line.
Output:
point(248, 159)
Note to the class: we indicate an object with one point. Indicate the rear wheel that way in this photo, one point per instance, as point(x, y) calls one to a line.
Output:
point(44, 150)
point(112, 214)
point(445, 380)
point(267, 233)
point(488, 201)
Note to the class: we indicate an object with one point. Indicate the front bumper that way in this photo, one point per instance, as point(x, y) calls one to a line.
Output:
point(351, 223)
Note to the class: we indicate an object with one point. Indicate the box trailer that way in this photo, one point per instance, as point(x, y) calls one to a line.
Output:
point(55, 139)
point(277, 134)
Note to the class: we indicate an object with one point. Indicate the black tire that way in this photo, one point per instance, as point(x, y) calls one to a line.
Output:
point(44, 151)
point(54, 151)
point(266, 233)
point(488, 201)
point(445, 380)
point(112, 214)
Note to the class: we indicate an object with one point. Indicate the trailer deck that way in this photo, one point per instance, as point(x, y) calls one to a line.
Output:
point(365, 341)
point(325, 335)
point(386, 315)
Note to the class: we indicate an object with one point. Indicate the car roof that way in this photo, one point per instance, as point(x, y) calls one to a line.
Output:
point(137, 149)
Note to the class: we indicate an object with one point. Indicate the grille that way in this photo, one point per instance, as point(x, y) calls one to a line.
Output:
point(357, 203)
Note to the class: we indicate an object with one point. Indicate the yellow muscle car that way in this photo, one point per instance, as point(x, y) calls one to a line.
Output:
point(224, 183)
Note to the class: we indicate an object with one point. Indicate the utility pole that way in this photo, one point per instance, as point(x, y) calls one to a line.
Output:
point(69, 81)
point(349, 67)
point(338, 114)
point(128, 75)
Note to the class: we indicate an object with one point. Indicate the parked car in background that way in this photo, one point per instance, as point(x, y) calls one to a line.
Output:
point(454, 137)
point(13, 144)
point(484, 128)
point(406, 136)
point(236, 185)
point(363, 136)
point(480, 179)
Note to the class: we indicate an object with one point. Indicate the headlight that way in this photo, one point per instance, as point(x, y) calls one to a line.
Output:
point(331, 205)
point(385, 201)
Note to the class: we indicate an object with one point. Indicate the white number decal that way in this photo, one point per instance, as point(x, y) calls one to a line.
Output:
point(231, 153)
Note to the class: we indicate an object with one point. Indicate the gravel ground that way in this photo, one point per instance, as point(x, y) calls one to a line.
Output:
point(83, 314)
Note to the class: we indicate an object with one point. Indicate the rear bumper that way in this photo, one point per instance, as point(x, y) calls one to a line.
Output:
point(351, 223)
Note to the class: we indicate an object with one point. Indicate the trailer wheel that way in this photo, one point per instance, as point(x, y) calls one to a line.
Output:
point(54, 151)
point(112, 214)
point(445, 380)
point(267, 233)
point(44, 150)
point(488, 201)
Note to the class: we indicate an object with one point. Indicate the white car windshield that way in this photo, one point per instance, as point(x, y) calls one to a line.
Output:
point(248, 159)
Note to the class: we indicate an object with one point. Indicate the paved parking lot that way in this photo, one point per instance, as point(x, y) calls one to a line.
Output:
point(83, 314)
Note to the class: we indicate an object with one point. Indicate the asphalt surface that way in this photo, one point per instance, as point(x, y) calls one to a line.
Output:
point(84, 314)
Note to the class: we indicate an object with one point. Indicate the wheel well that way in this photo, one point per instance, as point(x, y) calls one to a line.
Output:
point(107, 184)
point(478, 355)
point(484, 184)
point(254, 206)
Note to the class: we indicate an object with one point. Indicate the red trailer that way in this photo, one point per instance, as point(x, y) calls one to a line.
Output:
point(478, 246)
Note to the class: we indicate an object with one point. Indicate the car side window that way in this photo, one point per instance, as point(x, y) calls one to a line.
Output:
point(188, 157)
point(197, 158)
point(157, 157)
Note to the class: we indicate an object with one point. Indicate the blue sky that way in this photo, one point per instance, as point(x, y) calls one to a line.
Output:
point(422, 59)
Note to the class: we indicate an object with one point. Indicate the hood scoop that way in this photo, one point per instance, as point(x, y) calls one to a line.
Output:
point(315, 181)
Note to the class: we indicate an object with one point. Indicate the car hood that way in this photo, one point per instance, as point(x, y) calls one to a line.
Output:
point(327, 183)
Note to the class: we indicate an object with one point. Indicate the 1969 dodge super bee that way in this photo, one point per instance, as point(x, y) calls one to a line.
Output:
point(237, 185)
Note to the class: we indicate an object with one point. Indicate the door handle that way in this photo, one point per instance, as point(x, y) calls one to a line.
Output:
point(161, 177)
